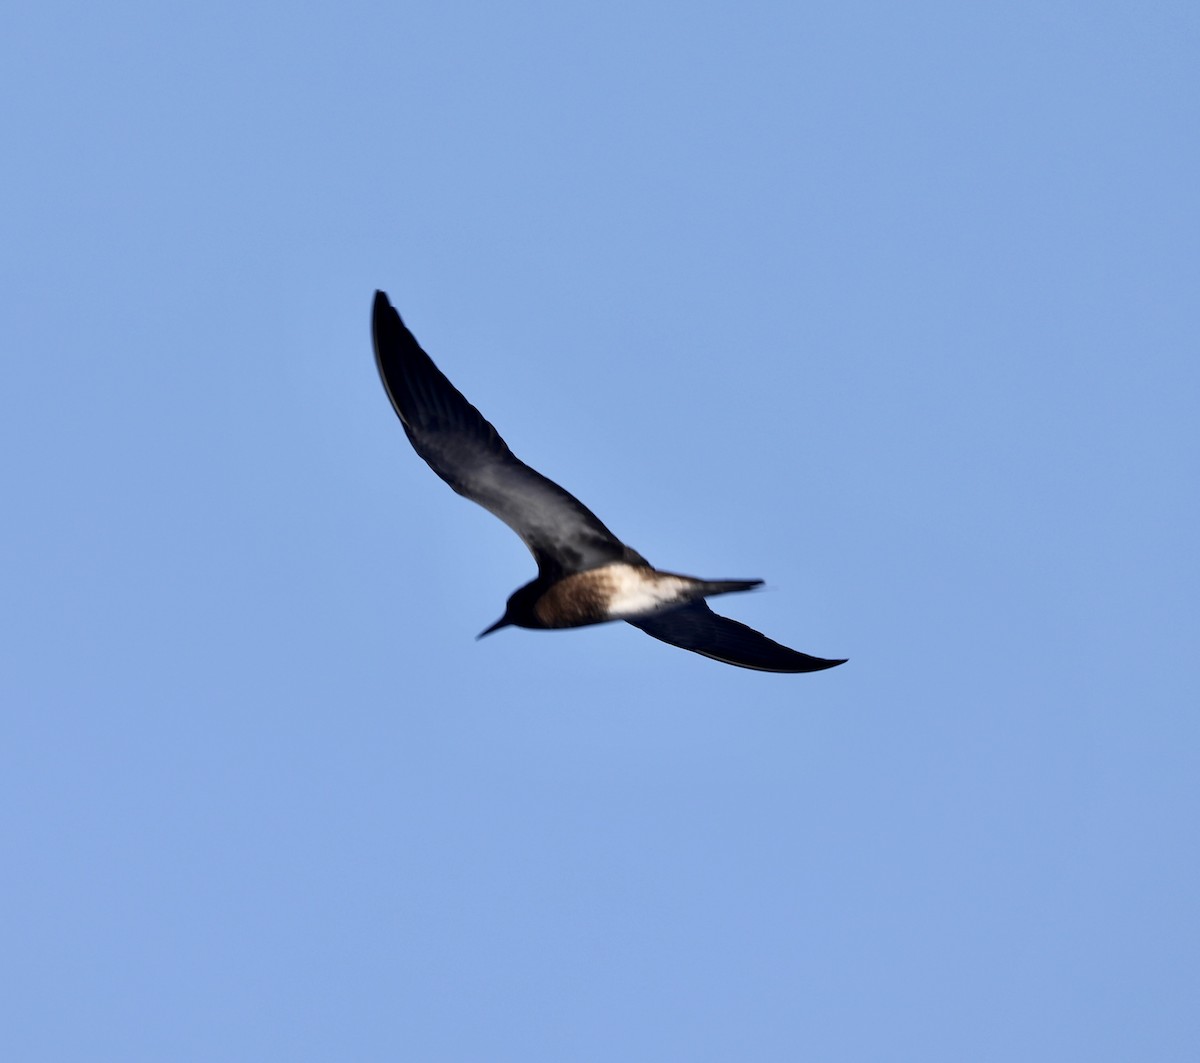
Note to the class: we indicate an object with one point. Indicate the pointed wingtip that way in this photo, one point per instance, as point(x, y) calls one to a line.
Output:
point(697, 628)
point(804, 662)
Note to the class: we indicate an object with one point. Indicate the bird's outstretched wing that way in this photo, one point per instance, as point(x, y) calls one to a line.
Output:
point(467, 452)
point(697, 628)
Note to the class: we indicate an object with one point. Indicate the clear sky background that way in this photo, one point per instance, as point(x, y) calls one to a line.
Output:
point(892, 305)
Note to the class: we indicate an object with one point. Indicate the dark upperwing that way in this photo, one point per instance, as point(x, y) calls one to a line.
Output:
point(467, 452)
point(697, 628)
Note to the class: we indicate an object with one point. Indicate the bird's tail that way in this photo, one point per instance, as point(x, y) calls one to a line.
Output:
point(710, 587)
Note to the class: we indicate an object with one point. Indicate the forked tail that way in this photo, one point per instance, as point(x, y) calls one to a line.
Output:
point(710, 587)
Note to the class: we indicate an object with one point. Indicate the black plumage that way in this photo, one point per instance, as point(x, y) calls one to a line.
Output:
point(585, 573)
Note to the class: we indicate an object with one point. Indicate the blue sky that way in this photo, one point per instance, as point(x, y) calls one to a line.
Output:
point(891, 305)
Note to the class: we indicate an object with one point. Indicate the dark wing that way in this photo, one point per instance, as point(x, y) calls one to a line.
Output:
point(468, 453)
point(697, 628)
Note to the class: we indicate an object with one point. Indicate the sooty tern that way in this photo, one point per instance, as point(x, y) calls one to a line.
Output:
point(586, 575)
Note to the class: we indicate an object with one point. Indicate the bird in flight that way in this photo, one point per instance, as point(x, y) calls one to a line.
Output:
point(586, 575)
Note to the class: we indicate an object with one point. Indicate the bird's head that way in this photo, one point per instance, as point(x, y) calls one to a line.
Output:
point(519, 610)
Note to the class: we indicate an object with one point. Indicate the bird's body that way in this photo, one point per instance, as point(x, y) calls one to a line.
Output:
point(617, 591)
point(586, 575)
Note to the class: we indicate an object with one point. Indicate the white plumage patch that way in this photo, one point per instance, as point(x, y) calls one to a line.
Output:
point(638, 591)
